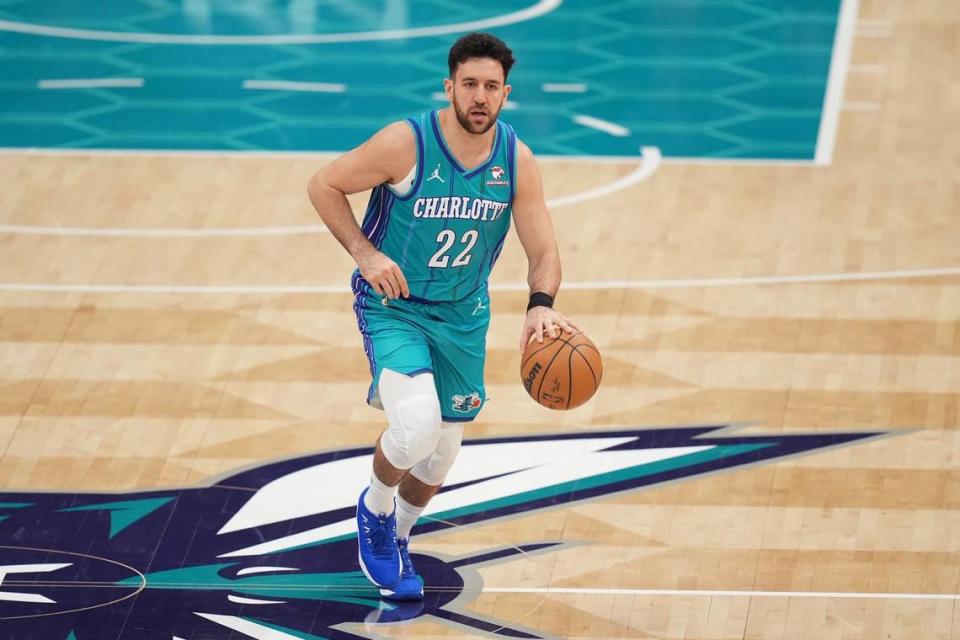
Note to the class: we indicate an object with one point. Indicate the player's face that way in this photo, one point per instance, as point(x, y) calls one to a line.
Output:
point(477, 92)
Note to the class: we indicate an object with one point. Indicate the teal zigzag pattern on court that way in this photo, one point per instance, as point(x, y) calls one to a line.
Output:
point(739, 79)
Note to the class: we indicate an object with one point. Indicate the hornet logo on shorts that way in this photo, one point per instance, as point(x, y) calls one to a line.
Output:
point(496, 175)
point(466, 404)
point(270, 552)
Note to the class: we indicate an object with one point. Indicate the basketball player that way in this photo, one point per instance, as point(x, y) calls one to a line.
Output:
point(444, 187)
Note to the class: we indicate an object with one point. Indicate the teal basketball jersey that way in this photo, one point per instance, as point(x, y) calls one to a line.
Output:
point(448, 229)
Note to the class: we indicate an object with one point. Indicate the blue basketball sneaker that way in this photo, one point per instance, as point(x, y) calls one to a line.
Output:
point(377, 542)
point(410, 586)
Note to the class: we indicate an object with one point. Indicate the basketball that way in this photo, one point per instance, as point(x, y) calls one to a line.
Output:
point(563, 372)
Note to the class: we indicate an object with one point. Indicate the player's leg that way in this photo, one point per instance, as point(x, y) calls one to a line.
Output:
point(458, 355)
point(415, 491)
point(413, 434)
point(403, 386)
point(426, 477)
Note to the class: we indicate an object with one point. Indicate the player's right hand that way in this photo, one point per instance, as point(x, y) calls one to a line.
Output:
point(384, 275)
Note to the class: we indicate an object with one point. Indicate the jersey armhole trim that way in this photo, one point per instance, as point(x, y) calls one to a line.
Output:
point(512, 160)
point(418, 167)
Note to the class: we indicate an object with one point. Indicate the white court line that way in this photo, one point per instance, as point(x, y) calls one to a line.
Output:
point(861, 106)
point(677, 283)
point(833, 98)
point(91, 83)
point(650, 161)
point(602, 125)
point(649, 166)
point(541, 8)
point(744, 162)
point(710, 593)
point(161, 232)
point(558, 87)
point(287, 85)
point(673, 160)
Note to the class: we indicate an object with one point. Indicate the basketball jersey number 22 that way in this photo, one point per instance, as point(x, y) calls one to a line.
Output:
point(448, 229)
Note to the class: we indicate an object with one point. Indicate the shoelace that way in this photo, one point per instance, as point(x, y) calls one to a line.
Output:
point(408, 571)
point(380, 538)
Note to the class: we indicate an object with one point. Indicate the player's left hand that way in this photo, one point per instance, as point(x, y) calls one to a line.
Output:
point(542, 321)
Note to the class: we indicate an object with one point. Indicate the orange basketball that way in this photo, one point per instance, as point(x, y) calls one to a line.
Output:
point(562, 372)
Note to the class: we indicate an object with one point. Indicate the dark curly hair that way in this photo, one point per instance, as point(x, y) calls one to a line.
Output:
point(480, 45)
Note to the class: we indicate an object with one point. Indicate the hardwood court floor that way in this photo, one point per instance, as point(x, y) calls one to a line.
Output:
point(111, 391)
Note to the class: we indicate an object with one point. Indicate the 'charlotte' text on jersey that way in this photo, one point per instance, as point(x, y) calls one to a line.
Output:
point(463, 207)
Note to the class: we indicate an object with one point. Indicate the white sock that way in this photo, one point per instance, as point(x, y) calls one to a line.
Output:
point(407, 515)
point(379, 497)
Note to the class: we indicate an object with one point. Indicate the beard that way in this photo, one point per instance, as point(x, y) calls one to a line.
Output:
point(463, 117)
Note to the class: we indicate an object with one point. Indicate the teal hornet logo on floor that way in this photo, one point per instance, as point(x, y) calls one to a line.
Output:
point(270, 552)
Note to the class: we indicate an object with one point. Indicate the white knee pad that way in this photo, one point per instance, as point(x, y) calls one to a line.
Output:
point(413, 414)
point(434, 469)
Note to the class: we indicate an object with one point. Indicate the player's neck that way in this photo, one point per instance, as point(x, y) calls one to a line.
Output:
point(470, 149)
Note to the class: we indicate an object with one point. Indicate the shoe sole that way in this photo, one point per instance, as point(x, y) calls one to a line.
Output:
point(370, 578)
point(386, 594)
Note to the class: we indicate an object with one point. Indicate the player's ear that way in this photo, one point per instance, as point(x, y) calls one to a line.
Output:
point(506, 90)
point(448, 87)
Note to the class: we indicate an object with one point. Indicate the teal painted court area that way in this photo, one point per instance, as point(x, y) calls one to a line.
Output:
point(696, 78)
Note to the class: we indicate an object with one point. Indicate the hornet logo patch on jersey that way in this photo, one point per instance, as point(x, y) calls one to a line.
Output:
point(496, 177)
point(466, 404)
point(270, 552)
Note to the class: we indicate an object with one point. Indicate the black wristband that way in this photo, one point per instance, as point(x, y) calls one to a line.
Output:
point(540, 299)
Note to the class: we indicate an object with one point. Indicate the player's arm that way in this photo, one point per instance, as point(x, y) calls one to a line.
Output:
point(535, 230)
point(385, 157)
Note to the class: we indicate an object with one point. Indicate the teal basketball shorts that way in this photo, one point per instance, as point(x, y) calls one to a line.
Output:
point(408, 336)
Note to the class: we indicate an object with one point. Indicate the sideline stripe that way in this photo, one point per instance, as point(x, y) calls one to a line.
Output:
point(160, 232)
point(706, 593)
point(541, 8)
point(91, 83)
point(833, 97)
point(680, 283)
point(289, 85)
point(650, 161)
point(602, 125)
point(558, 87)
